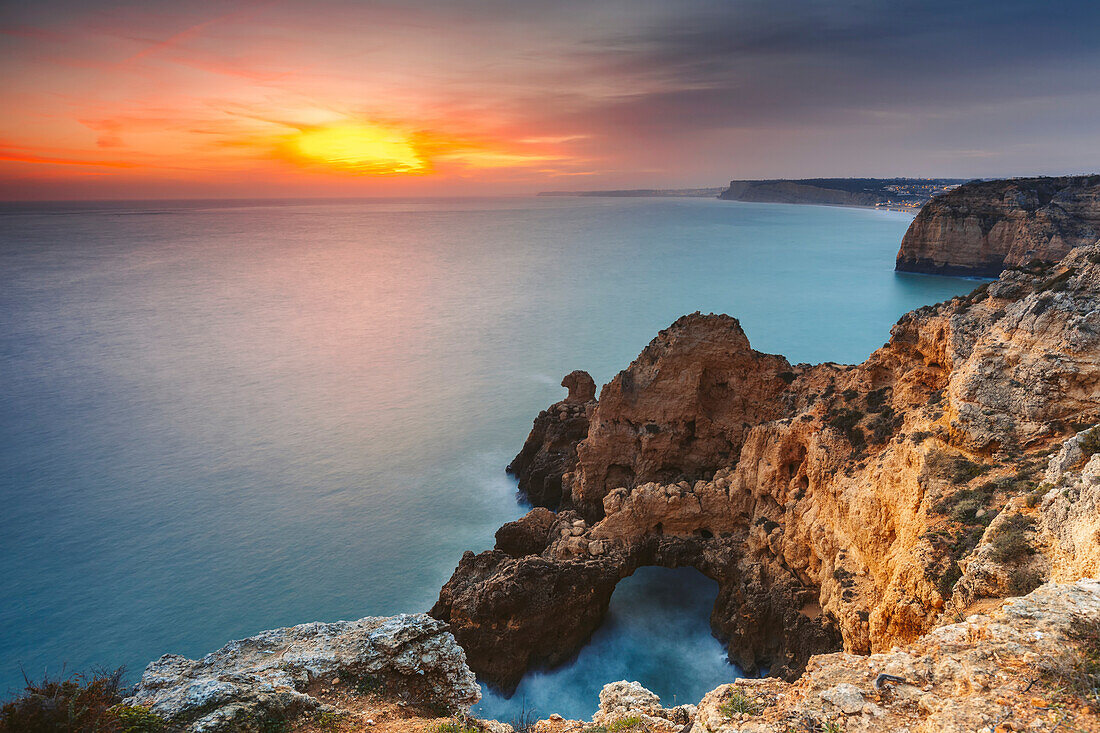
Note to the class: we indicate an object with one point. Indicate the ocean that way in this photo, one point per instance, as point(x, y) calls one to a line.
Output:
point(222, 417)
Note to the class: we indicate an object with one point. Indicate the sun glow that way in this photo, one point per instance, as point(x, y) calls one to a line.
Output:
point(363, 149)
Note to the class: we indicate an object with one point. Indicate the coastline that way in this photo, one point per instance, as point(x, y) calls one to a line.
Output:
point(999, 609)
point(839, 433)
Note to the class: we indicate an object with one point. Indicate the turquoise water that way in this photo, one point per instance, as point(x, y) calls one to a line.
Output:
point(217, 419)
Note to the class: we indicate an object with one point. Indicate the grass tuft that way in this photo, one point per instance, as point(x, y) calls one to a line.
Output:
point(455, 727)
point(738, 703)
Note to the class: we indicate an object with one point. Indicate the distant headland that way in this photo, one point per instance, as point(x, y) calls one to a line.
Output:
point(901, 194)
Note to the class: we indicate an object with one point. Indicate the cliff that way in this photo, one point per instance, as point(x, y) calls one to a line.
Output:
point(898, 193)
point(982, 227)
point(839, 508)
point(795, 192)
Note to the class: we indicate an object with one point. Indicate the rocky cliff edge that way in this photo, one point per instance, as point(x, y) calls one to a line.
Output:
point(980, 228)
point(839, 508)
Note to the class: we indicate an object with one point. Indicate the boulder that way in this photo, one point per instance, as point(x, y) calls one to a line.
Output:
point(267, 677)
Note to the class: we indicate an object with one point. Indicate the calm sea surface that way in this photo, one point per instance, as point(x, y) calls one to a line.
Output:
point(221, 418)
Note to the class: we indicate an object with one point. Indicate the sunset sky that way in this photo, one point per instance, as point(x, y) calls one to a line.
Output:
point(158, 99)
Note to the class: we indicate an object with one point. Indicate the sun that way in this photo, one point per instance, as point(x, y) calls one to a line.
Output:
point(361, 148)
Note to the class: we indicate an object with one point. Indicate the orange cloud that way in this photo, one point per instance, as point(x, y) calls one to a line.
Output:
point(32, 158)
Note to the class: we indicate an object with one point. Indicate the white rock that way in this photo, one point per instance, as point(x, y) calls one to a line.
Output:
point(266, 675)
point(845, 696)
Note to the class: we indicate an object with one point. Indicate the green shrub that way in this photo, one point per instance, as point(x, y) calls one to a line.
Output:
point(738, 703)
point(963, 505)
point(884, 425)
point(266, 723)
point(1085, 633)
point(79, 703)
point(1078, 672)
point(1022, 581)
point(920, 436)
point(957, 469)
point(947, 581)
point(1035, 497)
point(847, 422)
point(965, 470)
point(455, 727)
point(1010, 543)
point(364, 684)
point(331, 721)
point(629, 723)
point(1058, 282)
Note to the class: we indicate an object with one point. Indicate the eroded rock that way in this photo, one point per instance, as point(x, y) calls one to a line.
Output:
point(511, 614)
point(266, 678)
point(551, 448)
point(679, 411)
point(987, 671)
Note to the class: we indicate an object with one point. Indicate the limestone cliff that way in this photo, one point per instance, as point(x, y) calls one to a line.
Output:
point(982, 227)
point(838, 507)
point(796, 192)
point(679, 411)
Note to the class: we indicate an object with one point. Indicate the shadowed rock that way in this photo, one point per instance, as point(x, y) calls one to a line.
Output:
point(528, 535)
point(551, 448)
point(514, 614)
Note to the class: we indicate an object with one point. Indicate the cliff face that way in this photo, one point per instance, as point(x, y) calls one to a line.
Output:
point(851, 506)
point(980, 228)
point(793, 192)
point(679, 411)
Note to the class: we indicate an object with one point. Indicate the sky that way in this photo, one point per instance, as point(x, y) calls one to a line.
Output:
point(157, 99)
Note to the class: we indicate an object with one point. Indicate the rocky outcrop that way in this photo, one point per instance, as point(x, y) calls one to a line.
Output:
point(680, 410)
point(624, 700)
point(1028, 664)
point(845, 502)
point(528, 535)
point(1069, 517)
point(274, 677)
point(982, 227)
point(512, 614)
point(551, 447)
point(624, 706)
point(1006, 671)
